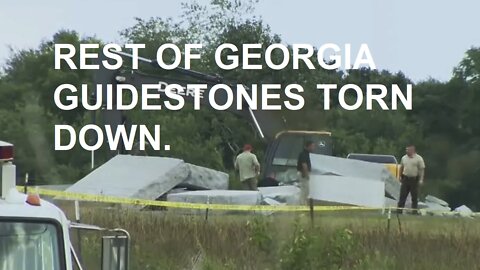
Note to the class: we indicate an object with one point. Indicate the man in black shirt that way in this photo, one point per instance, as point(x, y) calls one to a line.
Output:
point(304, 167)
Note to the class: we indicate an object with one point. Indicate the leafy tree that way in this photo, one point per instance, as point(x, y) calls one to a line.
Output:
point(29, 113)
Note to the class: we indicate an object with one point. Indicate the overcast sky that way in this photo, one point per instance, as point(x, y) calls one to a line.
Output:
point(421, 38)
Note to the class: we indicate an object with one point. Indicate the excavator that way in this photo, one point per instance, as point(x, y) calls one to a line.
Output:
point(282, 145)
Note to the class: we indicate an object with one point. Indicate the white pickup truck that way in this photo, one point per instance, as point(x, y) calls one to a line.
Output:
point(35, 234)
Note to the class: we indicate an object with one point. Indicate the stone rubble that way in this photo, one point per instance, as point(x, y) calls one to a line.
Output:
point(435, 200)
point(464, 211)
point(289, 195)
point(146, 177)
point(151, 178)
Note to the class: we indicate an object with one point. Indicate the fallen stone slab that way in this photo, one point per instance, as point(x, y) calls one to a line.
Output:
point(421, 205)
point(433, 199)
point(229, 197)
point(289, 195)
point(129, 176)
point(436, 209)
point(347, 190)
point(328, 165)
point(147, 177)
point(205, 177)
point(269, 201)
point(189, 187)
point(463, 211)
point(235, 197)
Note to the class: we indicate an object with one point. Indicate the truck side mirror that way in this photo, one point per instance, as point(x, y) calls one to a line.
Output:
point(115, 252)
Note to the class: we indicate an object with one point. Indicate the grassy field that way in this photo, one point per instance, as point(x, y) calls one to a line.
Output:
point(342, 240)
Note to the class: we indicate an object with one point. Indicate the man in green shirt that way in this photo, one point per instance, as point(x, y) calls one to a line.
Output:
point(248, 167)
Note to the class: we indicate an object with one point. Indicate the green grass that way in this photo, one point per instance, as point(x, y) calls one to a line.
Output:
point(341, 240)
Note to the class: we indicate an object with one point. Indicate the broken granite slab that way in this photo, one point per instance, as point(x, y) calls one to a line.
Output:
point(347, 190)
point(289, 195)
point(433, 199)
point(463, 211)
point(129, 176)
point(205, 177)
point(231, 197)
point(436, 209)
point(269, 201)
point(146, 177)
point(235, 197)
point(328, 165)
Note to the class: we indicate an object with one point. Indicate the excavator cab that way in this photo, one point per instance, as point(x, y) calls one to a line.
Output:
point(282, 153)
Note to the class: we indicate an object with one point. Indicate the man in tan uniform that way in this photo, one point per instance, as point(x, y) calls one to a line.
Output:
point(412, 172)
point(248, 167)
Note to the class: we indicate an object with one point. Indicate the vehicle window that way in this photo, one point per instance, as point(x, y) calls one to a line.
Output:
point(288, 149)
point(290, 145)
point(374, 158)
point(284, 162)
point(28, 246)
point(323, 143)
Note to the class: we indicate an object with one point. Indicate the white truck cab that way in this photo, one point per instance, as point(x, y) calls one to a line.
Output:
point(35, 234)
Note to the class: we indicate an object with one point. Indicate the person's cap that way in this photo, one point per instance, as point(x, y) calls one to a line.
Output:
point(247, 147)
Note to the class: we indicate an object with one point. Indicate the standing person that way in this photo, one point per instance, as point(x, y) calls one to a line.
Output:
point(248, 167)
point(304, 167)
point(412, 172)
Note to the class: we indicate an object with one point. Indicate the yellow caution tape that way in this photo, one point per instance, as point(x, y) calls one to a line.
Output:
point(185, 205)
point(201, 206)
